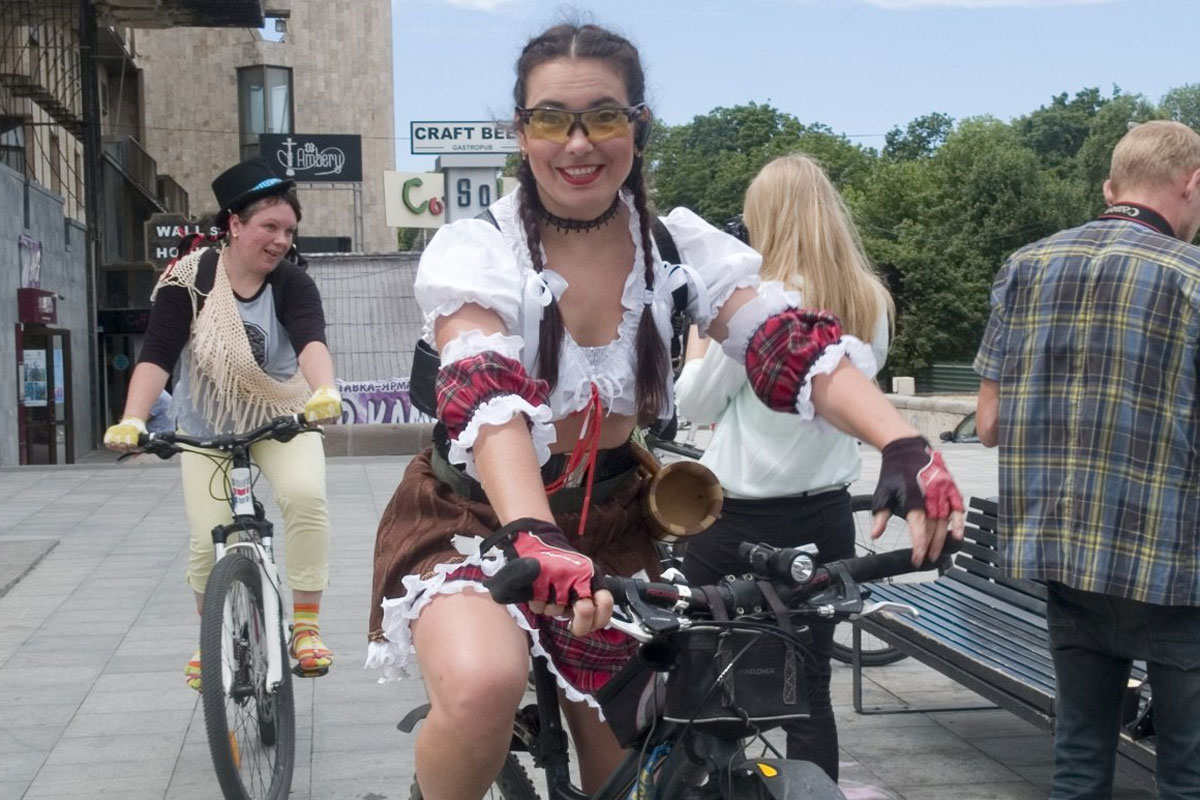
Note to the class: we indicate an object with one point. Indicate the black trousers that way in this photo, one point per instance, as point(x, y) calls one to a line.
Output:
point(824, 520)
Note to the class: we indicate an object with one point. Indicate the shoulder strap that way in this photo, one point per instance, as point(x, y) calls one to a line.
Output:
point(666, 244)
point(487, 216)
point(670, 254)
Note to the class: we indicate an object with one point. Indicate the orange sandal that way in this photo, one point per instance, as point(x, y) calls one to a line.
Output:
point(312, 656)
point(192, 673)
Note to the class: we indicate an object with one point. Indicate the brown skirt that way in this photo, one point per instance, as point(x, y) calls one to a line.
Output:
point(416, 528)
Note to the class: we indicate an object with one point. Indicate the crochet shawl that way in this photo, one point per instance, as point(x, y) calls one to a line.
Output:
point(236, 388)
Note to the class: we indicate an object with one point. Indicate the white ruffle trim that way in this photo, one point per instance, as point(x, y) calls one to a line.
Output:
point(860, 355)
point(498, 411)
point(750, 317)
point(391, 658)
point(473, 342)
point(718, 299)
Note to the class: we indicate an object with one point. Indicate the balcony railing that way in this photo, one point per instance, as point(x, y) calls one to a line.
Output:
point(39, 59)
point(174, 198)
point(138, 166)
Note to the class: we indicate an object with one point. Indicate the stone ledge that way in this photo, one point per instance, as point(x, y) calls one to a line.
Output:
point(377, 439)
point(932, 414)
point(929, 414)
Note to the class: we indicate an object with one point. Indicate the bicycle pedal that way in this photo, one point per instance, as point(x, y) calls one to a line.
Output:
point(311, 673)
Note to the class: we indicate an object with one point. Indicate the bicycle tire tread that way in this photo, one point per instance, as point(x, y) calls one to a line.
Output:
point(879, 656)
point(237, 569)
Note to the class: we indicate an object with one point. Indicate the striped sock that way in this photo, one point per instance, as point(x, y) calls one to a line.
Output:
point(304, 616)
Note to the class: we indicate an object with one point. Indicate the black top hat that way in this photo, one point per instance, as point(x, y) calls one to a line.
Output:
point(242, 184)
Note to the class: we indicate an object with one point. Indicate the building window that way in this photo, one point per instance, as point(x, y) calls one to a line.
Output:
point(12, 143)
point(55, 164)
point(264, 104)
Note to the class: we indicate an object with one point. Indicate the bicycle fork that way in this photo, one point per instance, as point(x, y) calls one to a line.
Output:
point(261, 550)
point(272, 622)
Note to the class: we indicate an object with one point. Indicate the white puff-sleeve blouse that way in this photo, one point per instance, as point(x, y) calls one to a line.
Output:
point(474, 261)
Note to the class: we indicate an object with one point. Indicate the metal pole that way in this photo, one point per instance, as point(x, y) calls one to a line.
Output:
point(92, 207)
point(360, 246)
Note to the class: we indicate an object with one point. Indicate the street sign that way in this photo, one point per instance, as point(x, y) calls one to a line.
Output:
point(163, 232)
point(326, 157)
point(436, 138)
point(413, 199)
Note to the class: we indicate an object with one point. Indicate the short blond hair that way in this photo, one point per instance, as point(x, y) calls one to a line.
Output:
point(1154, 154)
point(799, 223)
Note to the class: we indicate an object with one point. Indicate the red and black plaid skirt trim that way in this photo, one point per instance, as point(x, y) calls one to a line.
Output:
point(415, 534)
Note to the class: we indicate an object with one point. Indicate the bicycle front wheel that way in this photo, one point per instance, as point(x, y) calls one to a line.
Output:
point(511, 784)
point(875, 651)
point(251, 726)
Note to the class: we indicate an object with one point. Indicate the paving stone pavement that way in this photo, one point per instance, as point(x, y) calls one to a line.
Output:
point(94, 637)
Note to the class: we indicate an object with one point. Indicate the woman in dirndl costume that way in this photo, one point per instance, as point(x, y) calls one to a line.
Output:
point(552, 321)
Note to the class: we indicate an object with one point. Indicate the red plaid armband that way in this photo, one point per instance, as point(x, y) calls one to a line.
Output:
point(783, 349)
point(465, 385)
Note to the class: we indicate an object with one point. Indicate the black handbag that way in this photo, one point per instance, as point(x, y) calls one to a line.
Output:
point(733, 682)
point(422, 383)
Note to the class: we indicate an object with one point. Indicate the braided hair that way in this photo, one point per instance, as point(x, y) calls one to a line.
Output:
point(594, 42)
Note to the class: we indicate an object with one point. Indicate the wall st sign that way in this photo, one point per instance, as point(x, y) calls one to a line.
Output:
point(314, 156)
point(163, 232)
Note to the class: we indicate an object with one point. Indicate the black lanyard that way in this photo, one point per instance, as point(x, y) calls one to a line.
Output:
point(1143, 215)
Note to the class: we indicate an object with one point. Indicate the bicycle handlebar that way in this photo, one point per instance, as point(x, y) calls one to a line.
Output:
point(168, 443)
point(828, 590)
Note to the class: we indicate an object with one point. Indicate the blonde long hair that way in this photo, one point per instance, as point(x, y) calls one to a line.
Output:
point(799, 223)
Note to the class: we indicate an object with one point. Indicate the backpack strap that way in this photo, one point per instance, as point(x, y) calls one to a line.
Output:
point(680, 321)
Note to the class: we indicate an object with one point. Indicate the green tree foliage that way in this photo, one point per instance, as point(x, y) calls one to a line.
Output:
point(707, 163)
point(940, 207)
point(1055, 132)
point(1182, 104)
point(1092, 162)
point(920, 138)
point(980, 196)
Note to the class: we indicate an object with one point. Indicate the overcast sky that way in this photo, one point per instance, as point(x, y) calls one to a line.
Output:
point(858, 66)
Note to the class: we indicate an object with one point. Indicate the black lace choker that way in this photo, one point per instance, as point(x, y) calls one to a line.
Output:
point(577, 225)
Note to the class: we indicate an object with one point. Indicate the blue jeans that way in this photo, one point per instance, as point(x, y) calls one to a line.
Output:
point(1094, 639)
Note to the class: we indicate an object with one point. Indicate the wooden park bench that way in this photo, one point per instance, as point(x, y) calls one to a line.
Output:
point(987, 632)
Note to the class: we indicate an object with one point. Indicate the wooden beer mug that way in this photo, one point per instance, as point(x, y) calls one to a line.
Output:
point(681, 499)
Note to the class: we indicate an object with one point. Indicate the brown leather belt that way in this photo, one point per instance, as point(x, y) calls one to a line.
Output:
point(566, 500)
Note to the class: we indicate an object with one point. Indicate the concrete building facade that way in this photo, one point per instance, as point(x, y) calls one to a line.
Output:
point(208, 93)
point(76, 187)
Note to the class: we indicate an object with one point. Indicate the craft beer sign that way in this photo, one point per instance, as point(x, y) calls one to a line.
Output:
point(326, 157)
point(438, 138)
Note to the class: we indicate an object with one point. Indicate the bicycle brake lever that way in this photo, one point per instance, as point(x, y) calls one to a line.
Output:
point(876, 606)
point(630, 629)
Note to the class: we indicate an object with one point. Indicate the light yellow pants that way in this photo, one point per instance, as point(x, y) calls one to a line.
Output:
point(296, 471)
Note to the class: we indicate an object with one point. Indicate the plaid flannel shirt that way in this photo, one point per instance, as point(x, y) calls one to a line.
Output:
point(1094, 342)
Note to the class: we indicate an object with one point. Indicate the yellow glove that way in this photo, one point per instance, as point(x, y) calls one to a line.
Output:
point(124, 435)
point(325, 405)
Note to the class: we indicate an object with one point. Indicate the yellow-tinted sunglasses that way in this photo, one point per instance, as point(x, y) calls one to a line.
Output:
point(599, 124)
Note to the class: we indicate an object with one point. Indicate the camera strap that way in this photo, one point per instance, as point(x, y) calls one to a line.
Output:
point(1143, 215)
